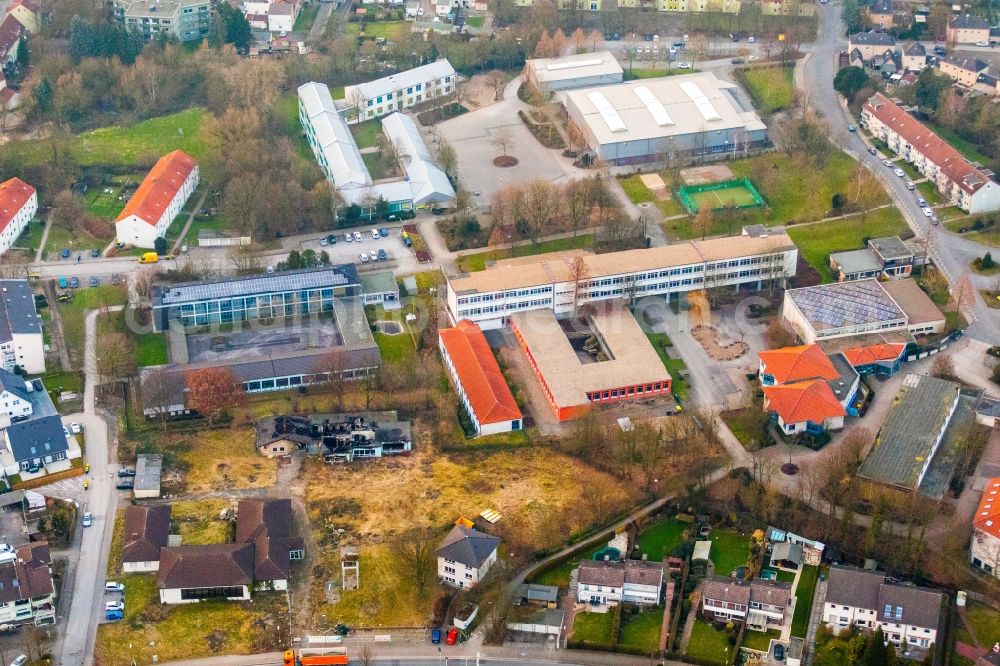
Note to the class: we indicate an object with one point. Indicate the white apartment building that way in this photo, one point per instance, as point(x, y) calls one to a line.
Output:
point(984, 553)
point(14, 398)
point(399, 91)
point(909, 616)
point(18, 205)
point(465, 556)
point(631, 581)
point(963, 183)
point(158, 200)
point(491, 296)
point(21, 343)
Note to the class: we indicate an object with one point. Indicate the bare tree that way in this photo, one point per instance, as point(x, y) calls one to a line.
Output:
point(367, 656)
point(162, 390)
point(447, 158)
point(334, 364)
point(115, 356)
point(415, 555)
point(579, 274)
point(497, 80)
point(245, 259)
point(502, 140)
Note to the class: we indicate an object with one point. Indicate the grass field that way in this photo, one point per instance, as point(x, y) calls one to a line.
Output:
point(657, 540)
point(929, 192)
point(729, 551)
point(538, 491)
point(105, 204)
point(154, 137)
point(391, 30)
point(469, 263)
point(642, 631)
point(31, 237)
point(757, 640)
point(817, 241)
point(734, 196)
point(559, 576)
point(223, 459)
point(197, 521)
point(985, 623)
point(378, 166)
point(803, 599)
point(72, 314)
point(151, 349)
point(189, 631)
point(306, 18)
point(655, 73)
point(707, 644)
point(636, 190)
point(593, 627)
point(772, 88)
point(366, 133)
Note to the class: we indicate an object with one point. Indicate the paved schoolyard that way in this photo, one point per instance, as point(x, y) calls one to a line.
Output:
point(472, 134)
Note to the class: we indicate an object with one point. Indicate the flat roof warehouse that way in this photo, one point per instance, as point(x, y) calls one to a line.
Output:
point(654, 108)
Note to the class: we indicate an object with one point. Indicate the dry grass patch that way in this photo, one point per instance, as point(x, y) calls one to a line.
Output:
point(226, 458)
point(189, 631)
point(197, 521)
point(541, 494)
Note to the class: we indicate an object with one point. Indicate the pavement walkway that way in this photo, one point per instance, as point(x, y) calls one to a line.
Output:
point(45, 237)
point(187, 224)
point(815, 617)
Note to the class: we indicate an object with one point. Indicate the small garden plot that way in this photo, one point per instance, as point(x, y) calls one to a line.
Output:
point(729, 551)
point(708, 644)
point(659, 539)
point(803, 600)
point(641, 631)
point(756, 640)
point(593, 628)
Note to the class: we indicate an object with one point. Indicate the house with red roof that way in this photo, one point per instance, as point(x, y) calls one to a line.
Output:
point(984, 553)
point(478, 380)
point(806, 390)
point(965, 184)
point(158, 200)
point(876, 359)
point(11, 33)
point(26, 12)
point(18, 205)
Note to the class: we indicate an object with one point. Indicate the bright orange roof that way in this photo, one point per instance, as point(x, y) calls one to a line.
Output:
point(159, 187)
point(479, 374)
point(812, 400)
point(988, 514)
point(792, 364)
point(14, 193)
point(873, 353)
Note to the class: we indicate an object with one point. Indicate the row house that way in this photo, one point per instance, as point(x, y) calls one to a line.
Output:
point(601, 583)
point(27, 595)
point(965, 184)
point(760, 603)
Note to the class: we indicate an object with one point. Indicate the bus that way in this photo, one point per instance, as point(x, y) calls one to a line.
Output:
point(315, 657)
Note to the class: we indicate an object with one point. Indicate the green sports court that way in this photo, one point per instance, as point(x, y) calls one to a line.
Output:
point(736, 193)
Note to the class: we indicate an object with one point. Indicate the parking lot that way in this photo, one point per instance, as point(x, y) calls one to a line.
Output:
point(398, 257)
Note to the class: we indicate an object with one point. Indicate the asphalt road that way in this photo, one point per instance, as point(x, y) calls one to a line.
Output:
point(950, 252)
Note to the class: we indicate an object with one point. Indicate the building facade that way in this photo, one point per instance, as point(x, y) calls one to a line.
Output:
point(27, 594)
point(608, 583)
point(185, 20)
point(21, 342)
point(964, 69)
point(465, 556)
point(158, 200)
point(564, 282)
point(968, 29)
point(760, 603)
point(582, 70)
point(984, 552)
point(399, 91)
point(18, 205)
point(871, 44)
point(963, 183)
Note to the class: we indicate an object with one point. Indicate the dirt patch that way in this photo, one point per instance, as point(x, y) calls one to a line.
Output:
point(505, 161)
point(710, 340)
point(703, 175)
point(389, 327)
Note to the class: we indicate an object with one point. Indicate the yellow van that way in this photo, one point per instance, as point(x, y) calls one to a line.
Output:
point(149, 258)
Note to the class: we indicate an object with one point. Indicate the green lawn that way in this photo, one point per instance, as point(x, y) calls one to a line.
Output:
point(707, 644)
point(151, 349)
point(391, 30)
point(756, 640)
point(306, 18)
point(475, 21)
point(803, 600)
point(106, 204)
point(366, 133)
point(674, 366)
point(817, 241)
point(985, 623)
point(31, 237)
point(470, 263)
point(636, 190)
point(593, 627)
point(744, 423)
point(379, 166)
point(729, 551)
point(642, 631)
point(655, 73)
point(63, 381)
point(86, 298)
point(929, 192)
point(76, 241)
point(559, 574)
point(212, 223)
point(772, 88)
point(395, 348)
point(659, 539)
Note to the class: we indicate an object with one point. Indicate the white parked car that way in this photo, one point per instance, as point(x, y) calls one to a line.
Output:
point(685, 65)
point(75, 428)
point(20, 660)
point(899, 172)
point(928, 212)
point(375, 234)
point(112, 586)
point(363, 257)
point(982, 43)
point(910, 185)
point(114, 606)
point(358, 237)
point(88, 519)
point(887, 163)
point(922, 202)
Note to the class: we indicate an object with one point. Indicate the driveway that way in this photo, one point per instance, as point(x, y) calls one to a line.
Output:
point(950, 252)
point(472, 136)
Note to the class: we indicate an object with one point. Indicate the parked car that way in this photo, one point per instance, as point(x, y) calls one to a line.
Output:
point(95, 253)
point(452, 636)
point(375, 234)
point(125, 485)
point(852, 128)
point(383, 232)
point(112, 586)
point(114, 605)
point(737, 61)
point(74, 282)
point(887, 163)
point(116, 278)
point(63, 283)
point(436, 636)
point(910, 185)
point(363, 257)
point(940, 50)
point(6, 548)
point(982, 43)
point(779, 652)
point(928, 212)
point(684, 65)
point(95, 281)
point(75, 428)
point(373, 255)
point(382, 256)
point(126, 472)
point(348, 237)
point(437, 210)
point(64, 253)
point(113, 615)
point(871, 149)
point(899, 172)
point(20, 660)
point(331, 239)
point(358, 237)
point(323, 242)
point(88, 519)
point(922, 202)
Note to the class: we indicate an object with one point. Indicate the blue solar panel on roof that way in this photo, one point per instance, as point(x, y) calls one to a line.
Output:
point(311, 278)
point(847, 303)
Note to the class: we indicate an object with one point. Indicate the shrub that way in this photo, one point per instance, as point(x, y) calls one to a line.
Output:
point(987, 261)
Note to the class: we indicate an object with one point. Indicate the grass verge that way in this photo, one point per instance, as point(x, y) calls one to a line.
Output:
point(817, 241)
point(469, 263)
point(803, 600)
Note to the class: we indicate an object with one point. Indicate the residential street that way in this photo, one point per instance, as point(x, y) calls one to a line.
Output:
point(950, 252)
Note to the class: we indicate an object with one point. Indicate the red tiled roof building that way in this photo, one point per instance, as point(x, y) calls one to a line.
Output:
point(984, 553)
point(18, 205)
point(158, 200)
point(478, 380)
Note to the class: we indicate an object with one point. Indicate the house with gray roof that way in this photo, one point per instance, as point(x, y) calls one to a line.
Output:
point(21, 343)
point(16, 398)
point(601, 582)
point(465, 556)
point(968, 29)
point(760, 603)
point(888, 257)
point(871, 43)
point(914, 57)
point(908, 615)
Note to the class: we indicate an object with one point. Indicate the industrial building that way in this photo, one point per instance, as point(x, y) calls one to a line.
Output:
point(676, 117)
point(582, 70)
point(598, 358)
point(562, 281)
